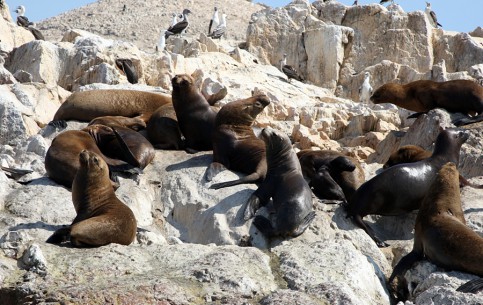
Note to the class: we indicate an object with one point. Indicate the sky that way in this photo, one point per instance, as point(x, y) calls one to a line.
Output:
point(461, 15)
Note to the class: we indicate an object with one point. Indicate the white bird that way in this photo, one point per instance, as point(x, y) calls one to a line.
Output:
point(181, 26)
point(365, 90)
point(162, 42)
point(214, 22)
point(175, 19)
point(220, 30)
point(431, 16)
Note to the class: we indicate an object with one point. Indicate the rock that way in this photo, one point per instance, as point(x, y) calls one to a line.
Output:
point(33, 260)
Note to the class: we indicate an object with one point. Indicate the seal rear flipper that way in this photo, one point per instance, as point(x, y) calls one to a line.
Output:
point(264, 226)
point(58, 124)
point(60, 236)
point(464, 182)
point(472, 286)
point(126, 151)
point(253, 204)
point(416, 115)
point(252, 178)
point(359, 222)
point(405, 263)
point(125, 168)
point(304, 225)
point(213, 169)
point(468, 120)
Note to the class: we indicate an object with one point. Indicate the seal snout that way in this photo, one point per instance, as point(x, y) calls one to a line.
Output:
point(84, 156)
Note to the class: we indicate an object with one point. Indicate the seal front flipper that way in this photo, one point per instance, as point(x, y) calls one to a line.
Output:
point(213, 169)
point(126, 151)
point(405, 263)
point(252, 178)
point(253, 204)
point(58, 124)
point(61, 235)
point(472, 286)
point(304, 225)
point(359, 222)
point(416, 115)
point(264, 226)
point(468, 120)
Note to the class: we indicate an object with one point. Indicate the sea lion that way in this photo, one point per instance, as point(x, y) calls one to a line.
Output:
point(101, 217)
point(122, 143)
point(461, 95)
point(344, 170)
point(235, 145)
point(62, 158)
point(88, 105)
point(196, 118)
point(285, 184)
point(414, 153)
point(401, 188)
point(163, 129)
point(440, 232)
point(126, 66)
point(135, 123)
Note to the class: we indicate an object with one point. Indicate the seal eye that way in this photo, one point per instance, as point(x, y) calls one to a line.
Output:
point(96, 160)
point(258, 104)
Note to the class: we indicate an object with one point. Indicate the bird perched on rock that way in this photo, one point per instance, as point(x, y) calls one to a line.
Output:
point(26, 24)
point(365, 90)
point(289, 70)
point(431, 16)
point(385, 1)
point(175, 19)
point(220, 30)
point(179, 27)
point(214, 22)
point(162, 40)
point(355, 2)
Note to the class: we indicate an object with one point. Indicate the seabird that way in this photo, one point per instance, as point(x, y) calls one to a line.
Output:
point(356, 2)
point(180, 26)
point(432, 16)
point(289, 70)
point(162, 40)
point(220, 30)
point(214, 22)
point(384, 1)
point(25, 23)
point(365, 91)
point(124, 8)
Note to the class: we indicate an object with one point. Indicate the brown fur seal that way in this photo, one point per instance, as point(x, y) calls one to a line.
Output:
point(163, 129)
point(196, 118)
point(235, 145)
point(321, 166)
point(401, 188)
point(461, 95)
point(101, 217)
point(285, 184)
point(440, 232)
point(62, 158)
point(414, 153)
point(126, 66)
point(88, 105)
point(135, 123)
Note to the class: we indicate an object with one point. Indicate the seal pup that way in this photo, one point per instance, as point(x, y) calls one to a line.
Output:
point(196, 118)
point(285, 184)
point(126, 66)
point(460, 95)
point(235, 145)
point(365, 90)
point(431, 16)
point(180, 26)
point(401, 188)
point(163, 129)
point(219, 30)
point(135, 123)
point(88, 105)
point(289, 70)
point(214, 21)
point(440, 232)
point(101, 217)
point(324, 167)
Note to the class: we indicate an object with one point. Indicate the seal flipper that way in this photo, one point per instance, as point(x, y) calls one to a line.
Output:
point(415, 115)
point(359, 222)
point(405, 263)
point(58, 124)
point(61, 235)
point(126, 151)
point(252, 205)
point(304, 225)
point(213, 169)
point(468, 120)
point(252, 178)
point(264, 226)
point(464, 182)
point(472, 286)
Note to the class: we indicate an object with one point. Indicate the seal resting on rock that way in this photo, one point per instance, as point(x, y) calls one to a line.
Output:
point(401, 188)
point(461, 95)
point(440, 232)
point(235, 145)
point(285, 184)
point(135, 123)
point(88, 105)
point(101, 217)
point(163, 129)
point(196, 118)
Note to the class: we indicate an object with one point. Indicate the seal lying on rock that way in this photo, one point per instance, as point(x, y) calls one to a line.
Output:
point(163, 129)
point(135, 123)
point(401, 188)
point(440, 232)
point(460, 95)
point(235, 145)
point(285, 184)
point(101, 217)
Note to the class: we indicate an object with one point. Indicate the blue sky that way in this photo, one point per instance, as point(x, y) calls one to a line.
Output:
point(461, 15)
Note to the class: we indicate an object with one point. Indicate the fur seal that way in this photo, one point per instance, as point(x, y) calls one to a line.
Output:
point(62, 158)
point(88, 105)
point(285, 184)
point(101, 217)
point(235, 145)
point(460, 95)
point(324, 167)
point(196, 118)
point(401, 188)
point(440, 232)
point(135, 123)
point(163, 129)
point(126, 66)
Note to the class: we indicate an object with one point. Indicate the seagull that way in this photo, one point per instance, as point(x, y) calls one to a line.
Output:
point(220, 30)
point(214, 22)
point(25, 23)
point(180, 26)
point(289, 70)
point(431, 16)
point(365, 91)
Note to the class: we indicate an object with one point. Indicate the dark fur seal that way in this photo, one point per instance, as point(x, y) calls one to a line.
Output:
point(235, 145)
point(285, 184)
point(440, 232)
point(88, 105)
point(126, 66)
point(163, 129)
point(101, 217)
point(401, 188)
point(461, 95)
point(196, 118)
point(135, 123)
point(329, 172)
